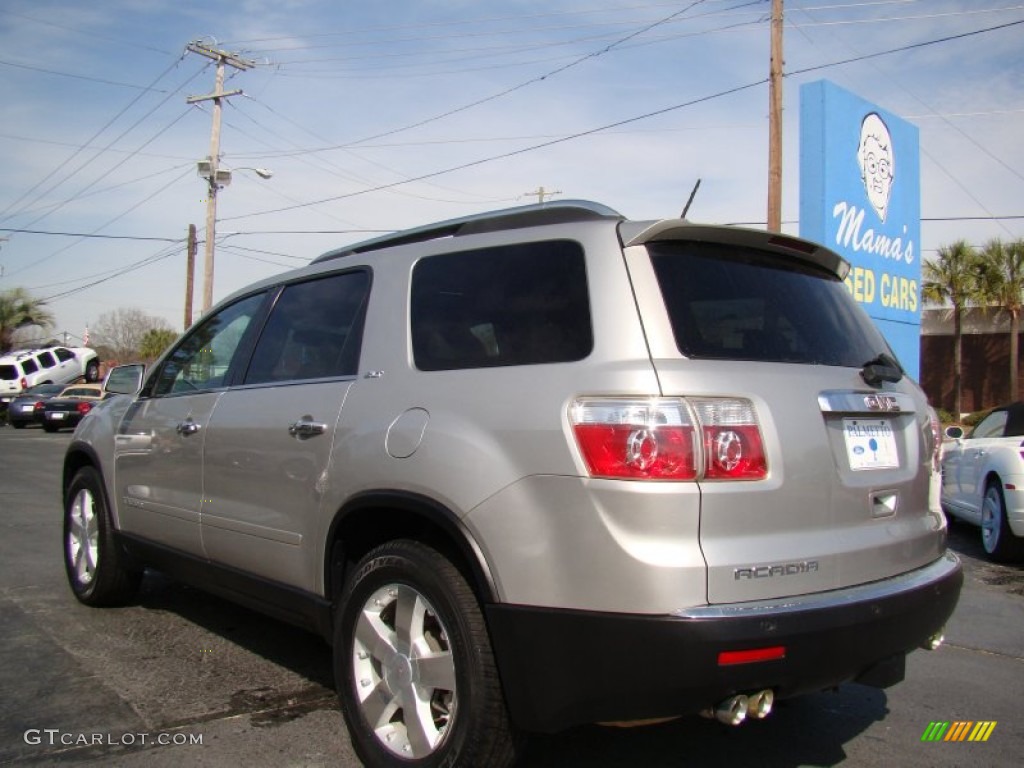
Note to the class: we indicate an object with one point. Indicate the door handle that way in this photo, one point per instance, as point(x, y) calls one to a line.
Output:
point(306, 427)
point(187, 428)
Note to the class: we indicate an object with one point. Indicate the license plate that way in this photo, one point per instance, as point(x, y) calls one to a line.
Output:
point(27, 408)
point(870, 444)
point(57, 415)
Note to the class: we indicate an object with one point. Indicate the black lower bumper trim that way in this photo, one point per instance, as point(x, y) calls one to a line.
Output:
point(562, 668)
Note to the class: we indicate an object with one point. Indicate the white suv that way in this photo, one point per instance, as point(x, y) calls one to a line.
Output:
point(50, 365)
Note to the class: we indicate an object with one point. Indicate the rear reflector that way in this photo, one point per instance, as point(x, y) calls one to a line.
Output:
point(670, 438)
point(730, 658)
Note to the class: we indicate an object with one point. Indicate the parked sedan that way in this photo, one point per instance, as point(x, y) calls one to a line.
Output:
point(70, 406)
point(983, 480)
point(27, 408)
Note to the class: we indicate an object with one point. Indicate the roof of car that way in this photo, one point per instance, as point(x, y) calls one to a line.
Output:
point(559, 212)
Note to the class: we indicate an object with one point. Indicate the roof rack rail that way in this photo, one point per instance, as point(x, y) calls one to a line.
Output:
point(560, 212)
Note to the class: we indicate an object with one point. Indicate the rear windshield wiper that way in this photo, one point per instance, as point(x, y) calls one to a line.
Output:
point(881, 368)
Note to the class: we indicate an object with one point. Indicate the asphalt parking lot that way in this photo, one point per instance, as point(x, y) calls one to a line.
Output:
point(183, 678)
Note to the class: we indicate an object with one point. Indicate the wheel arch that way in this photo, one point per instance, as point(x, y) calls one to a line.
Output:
point(77, 457)
point(375, 517)
point(992, 476)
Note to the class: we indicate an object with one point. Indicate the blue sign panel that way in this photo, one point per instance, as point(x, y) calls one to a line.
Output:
point(860, 194)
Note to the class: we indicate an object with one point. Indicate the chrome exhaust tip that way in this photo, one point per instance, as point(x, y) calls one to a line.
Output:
point(732, 711)
point(934, 641)
point(759, 705)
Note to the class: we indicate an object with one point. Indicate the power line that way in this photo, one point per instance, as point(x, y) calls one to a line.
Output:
point(79, 77)
point(91, 235)
point(72, 156)
point(619, 123)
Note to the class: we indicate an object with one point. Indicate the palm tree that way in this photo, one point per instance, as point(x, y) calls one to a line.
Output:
point(18, 309)
point(1002, 286)
point(953, 277)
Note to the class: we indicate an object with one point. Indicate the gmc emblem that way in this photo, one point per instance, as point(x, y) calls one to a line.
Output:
point(882, 403)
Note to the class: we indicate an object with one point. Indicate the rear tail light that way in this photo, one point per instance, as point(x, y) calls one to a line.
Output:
point(83, 408)
point(733, 449)
point(670, 438)
point(39, 405)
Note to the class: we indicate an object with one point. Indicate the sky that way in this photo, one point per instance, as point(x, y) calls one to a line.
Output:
point(375, 117)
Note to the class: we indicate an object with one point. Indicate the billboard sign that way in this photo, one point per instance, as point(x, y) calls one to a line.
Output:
point(860, 194)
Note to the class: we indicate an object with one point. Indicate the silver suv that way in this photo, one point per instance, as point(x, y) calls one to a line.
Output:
point(533, 469)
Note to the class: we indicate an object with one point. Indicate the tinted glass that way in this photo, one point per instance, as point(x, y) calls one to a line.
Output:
point(313, 332)
point(46, 360)
point(512, 305)
point(9, 373)
point(64, 354)
point(29, 365)
point(202, 359)
point(737, 304)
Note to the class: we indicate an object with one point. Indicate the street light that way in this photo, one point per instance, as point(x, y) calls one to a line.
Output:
point(216, 179)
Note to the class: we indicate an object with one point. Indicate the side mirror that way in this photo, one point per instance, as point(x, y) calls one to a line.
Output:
point(954, 433)
point(125, 379)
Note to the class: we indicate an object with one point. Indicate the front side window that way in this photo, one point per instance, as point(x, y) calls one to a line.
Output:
point(64, 354)
point(313, 332)
point(520, 304)
point(732, 303)
point(202, 359)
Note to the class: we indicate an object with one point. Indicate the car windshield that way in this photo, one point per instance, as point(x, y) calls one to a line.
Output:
point(80, 392)
point(730, 303)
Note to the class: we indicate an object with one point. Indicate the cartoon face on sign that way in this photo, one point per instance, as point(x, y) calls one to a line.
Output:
point(877, 162)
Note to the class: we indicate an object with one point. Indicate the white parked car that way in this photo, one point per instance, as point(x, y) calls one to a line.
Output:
point(983, 480)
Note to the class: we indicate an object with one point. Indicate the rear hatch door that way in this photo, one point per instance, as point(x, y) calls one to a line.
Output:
point(752, 317)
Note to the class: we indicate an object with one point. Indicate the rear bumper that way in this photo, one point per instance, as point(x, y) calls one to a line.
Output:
point(562, 668)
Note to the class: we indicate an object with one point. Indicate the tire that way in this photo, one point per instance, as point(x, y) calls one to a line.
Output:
point(18, 424)
point(49, 427)
point(403, 602)
point(92, 372)
point(996, 537)
point(95, 565)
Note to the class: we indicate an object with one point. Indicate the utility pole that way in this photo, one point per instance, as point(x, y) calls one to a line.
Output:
point(222, 58)
point(775, 122)
point(540, 193)
point(190, 273)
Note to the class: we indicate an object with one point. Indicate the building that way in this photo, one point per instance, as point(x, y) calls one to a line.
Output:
point(985, 368)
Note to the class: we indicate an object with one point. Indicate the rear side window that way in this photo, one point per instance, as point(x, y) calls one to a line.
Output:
point(729, 303)
point(520, 304)
point(313, 332)
point(29, 366)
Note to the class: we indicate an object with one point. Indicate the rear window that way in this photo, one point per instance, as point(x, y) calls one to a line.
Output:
point(520, 304)
point(730, 303)
point(9, 373)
